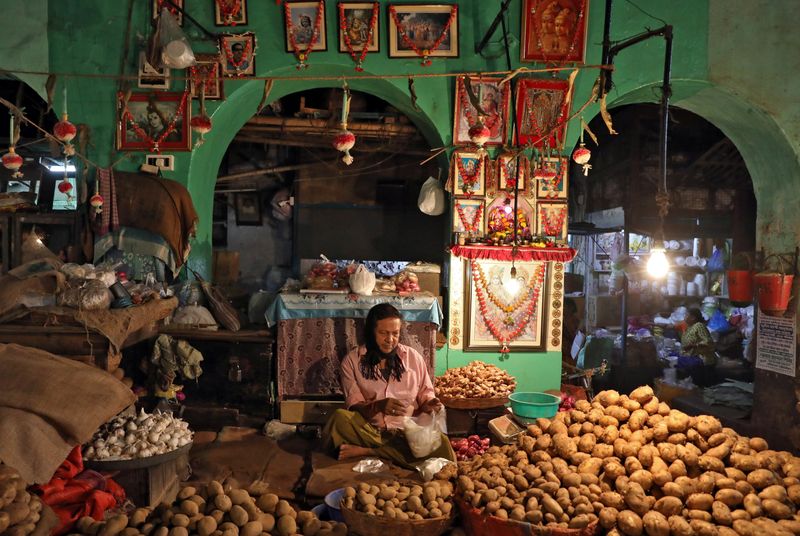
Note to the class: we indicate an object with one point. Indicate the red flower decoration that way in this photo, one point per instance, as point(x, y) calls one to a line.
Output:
point(64, 130)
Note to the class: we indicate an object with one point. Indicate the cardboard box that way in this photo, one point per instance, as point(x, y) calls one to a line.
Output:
point(430, 277)
point(226, 267)
point(308, 411)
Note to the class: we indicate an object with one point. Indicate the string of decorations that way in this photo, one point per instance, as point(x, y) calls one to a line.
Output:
point(302, 56)
point(425, 53)
point(373, 22)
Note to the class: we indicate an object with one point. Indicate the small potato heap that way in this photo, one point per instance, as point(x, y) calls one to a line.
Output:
point(138, 436)
point(476, 380)
point(19, 510)
point(215, 510)
point(637, 467)
point(395, 500)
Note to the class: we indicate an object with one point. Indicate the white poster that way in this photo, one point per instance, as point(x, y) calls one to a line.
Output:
point(776, 344)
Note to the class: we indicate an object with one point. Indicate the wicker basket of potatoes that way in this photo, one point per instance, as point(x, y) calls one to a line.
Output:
point(399, 508)
point(634, 466)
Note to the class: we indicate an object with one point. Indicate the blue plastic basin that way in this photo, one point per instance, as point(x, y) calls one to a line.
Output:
point(332, 501)
point(534, 405)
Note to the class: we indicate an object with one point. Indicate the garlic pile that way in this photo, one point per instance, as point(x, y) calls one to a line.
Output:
point(138, 436)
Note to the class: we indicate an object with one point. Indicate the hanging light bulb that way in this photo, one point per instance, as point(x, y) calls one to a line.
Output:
point(657, 264)
point(512, 284)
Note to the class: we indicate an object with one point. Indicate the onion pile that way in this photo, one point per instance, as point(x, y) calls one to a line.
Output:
point(567, 402)
point(138, 436)
point(467, 447)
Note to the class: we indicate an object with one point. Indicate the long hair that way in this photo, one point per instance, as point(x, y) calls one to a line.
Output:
point(371, 359)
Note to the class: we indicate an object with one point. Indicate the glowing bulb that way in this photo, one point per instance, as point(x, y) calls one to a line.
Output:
point(39, 241)
point(507, 209)
point(657, 264)
point(512, 286)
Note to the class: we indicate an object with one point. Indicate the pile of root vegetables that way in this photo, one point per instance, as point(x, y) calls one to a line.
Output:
point(20, 511)
point(635, 466)
point(476, 380)
point(396, 500)
point(215, 509)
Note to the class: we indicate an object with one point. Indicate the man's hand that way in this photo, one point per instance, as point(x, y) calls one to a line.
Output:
point(393, 407)
point(429, 406)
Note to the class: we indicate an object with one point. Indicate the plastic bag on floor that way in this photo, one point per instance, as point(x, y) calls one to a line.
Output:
point(278, 431)
point(431, 466)
point(370, 465)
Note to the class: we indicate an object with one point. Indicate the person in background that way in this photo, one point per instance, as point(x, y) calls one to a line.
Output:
point(697, 342)
point(571, 328)
point(384, 382)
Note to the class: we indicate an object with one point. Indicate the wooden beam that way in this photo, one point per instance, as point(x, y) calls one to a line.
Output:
point(265, 171)
point(324, 144)
point(323, 124)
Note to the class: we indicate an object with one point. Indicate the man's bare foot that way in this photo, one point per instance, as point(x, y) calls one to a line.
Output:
point(347, 452)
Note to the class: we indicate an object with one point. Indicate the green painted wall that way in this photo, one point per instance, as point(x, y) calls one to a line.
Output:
point(24, 42)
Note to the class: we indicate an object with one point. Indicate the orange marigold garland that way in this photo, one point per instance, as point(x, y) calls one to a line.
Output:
point(373, 22)
point(424, 54)
point(469, 180)
point(229, 9)
point(302, 56)
point(155, 143)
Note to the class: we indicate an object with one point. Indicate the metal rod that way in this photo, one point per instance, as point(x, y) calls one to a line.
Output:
point(666, 92)
point(485, 41)
point(514, 128)
point(605, 76)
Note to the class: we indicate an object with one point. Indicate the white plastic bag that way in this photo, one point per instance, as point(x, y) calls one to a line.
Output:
point(431, 197)
point(431, 466)
point(424, 433)
point(362, 281)
point(175, 49)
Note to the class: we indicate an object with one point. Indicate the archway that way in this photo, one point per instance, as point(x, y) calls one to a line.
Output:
point(240, 106)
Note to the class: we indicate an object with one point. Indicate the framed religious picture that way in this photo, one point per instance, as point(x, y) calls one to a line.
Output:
point(551, 219)
point(505, 312)
point(468, 173)
point(542, 109)
point(152, 77)
point(468, 216)
point(551, 178)
point(206, 75)
point(178, 14)
point(238, 54)
point(510, 176)
point(230, 12)
point(494, 102)
point(554, 31)
point(248, 208)
point(359, 30)
point(423, 30)
point(304, 25)
point(154, 122)
point(500, 219)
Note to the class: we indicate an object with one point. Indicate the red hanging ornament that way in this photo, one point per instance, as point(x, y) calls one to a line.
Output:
point(202, 125)
point(65, 187)
point(13, 161)
point(479, 133)
point(344, 141)
point(96, 202)
point(64, 130)
point(581, 156)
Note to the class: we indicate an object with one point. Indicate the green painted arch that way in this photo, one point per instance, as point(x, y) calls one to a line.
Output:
point(770, 158)
point(231, 115)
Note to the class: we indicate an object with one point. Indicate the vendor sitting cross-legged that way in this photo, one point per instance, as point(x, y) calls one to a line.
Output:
point(383, 382)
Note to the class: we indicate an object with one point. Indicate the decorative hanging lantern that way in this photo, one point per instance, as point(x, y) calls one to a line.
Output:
point(65, 187)
point(13, 161)
point(581, 156)
point(64, 130)
point(479, 133)
point(96, 202)
point(202, 125)
point(343, 142)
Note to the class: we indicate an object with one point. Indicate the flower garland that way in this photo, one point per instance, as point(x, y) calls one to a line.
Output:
point(489, 123)
point(373, 22)
point(469, 180)
point(551, 180)
point(576, 33)
point(248, 48)
point(553, 226)
point(155, 143)
point(515, 326)
point(410, 44)
point(302, 56)
point(470, 227)
point(229, 9)
point(506, 308)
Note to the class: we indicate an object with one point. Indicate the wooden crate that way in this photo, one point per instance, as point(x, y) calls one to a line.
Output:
point(149, 486)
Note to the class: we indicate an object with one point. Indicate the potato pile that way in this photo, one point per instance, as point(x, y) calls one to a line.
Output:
point(476, 380)
point(637, 467)
point(19, 510)
point(394, 500)
point(215, 510)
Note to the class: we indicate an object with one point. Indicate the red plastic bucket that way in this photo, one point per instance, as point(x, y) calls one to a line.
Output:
point(774, 290)
point(740, 286)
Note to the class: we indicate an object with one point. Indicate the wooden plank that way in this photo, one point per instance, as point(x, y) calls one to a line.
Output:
point(252, 336)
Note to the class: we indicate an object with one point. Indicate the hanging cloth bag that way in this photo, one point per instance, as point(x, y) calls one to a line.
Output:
point(431, 197)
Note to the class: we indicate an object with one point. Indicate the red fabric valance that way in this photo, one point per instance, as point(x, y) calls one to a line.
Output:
point(503, 253)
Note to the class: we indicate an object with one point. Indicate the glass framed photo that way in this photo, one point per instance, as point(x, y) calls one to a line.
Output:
point(238, 54)
point(304, 24)
point(359, 24)
point(494, 100)
point(230, 12)
point(154, 120)
point(425, 28)
point(554, 31)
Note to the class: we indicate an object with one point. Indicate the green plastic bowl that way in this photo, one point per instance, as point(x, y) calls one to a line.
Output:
point(534, 405)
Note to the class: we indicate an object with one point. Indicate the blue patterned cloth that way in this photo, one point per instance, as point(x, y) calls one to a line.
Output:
point(379, 268)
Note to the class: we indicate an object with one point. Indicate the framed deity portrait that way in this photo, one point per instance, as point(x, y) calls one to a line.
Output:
point(159, 4)
point(206, 75)
point(542, 109)
point(554, 31)
point(552, 219)
point(238, 54)
point(158, 119)
point(551, 178)
point(512, 172)
point(468, 216)
point(304, 26)
point(359, 27)
point(230, 12)
point(494, 101)
point(468, 173)
point(414, 28)
point(248, 208)
point(505, 310)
